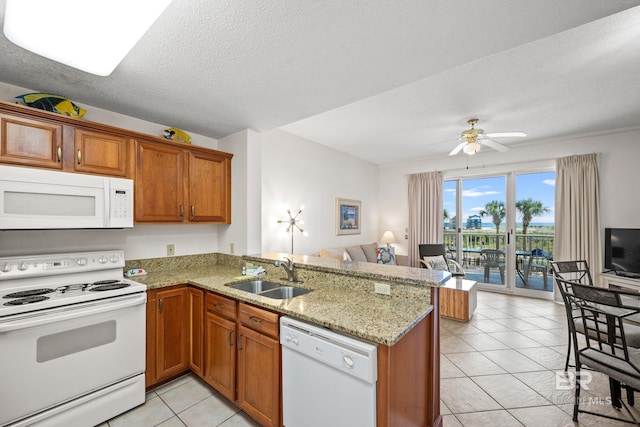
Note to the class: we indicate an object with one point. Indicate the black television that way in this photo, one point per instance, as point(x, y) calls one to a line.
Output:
point(622, 251)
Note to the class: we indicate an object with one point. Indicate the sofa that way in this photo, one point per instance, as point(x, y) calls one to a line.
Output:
point(370, 252)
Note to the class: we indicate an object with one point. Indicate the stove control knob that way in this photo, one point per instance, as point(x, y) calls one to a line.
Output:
point(81, 261)
point(6, 268)
point(103, 260)
point(23, 266)
point(115, 258)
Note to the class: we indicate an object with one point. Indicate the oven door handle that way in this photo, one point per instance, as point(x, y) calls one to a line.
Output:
point(68, 313)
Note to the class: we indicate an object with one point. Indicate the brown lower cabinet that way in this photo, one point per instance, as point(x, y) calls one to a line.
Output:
point(258, 366)
point(167, 333)
point(242, 356)
point(220, 343)
point(195, 315)
point(235, 348)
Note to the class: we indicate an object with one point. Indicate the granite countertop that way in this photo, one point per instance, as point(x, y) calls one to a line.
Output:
point(338, 303)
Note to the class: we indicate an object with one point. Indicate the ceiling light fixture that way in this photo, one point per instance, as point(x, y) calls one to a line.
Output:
point(92, 36)
point(472, 147)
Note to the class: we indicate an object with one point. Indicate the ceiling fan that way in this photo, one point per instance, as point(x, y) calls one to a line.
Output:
point(473, 138)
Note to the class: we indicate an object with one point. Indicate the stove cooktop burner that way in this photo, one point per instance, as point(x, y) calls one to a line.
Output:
point(105, 282)
point(109, 286)
point(30, 293)
point(27, 300)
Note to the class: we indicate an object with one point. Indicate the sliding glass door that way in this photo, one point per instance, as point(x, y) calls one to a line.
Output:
point(500, 228)
point(475, 213)
point(534, 231)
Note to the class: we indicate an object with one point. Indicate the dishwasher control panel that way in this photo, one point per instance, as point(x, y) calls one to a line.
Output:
point(342, 352)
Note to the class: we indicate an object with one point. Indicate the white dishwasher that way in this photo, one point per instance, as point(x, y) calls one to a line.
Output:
point(328, 379)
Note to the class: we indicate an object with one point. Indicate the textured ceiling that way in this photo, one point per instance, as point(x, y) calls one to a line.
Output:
point(383, 80)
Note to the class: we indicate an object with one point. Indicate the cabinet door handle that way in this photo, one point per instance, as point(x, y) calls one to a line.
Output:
point(255, 319)
point(59, 154)
point(181, 210)
point(230, 335)
point(160, 305)
point(79, 156)
point(240, 342)
point(193, 211)
point(218, 306)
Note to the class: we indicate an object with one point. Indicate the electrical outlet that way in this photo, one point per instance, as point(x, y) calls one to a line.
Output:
point(381, 288)
point(171, 249)
point(231, 248)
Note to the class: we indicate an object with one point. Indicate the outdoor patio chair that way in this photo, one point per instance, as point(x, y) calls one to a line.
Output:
point(434, 256)
point(492, 258)
point(536, 264)
point(603, 314)
point(572, 271)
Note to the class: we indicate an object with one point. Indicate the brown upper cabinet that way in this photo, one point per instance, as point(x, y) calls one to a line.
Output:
point(47, 144)
point(174, 184)
point(100, 153)
point(30, 142)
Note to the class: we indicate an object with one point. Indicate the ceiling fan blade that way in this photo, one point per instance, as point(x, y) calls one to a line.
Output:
point(506, 135)
point(495, 145)
point(457, 149)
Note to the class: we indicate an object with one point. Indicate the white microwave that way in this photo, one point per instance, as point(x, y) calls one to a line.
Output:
point(44, 199)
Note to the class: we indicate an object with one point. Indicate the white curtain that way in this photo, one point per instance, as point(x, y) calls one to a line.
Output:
point(425, 212)
point(577, 216)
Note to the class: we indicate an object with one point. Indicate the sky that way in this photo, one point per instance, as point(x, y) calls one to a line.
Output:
point(480, 191)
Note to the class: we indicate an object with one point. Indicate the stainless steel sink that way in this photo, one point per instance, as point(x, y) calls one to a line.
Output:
point(284, 292)
point(255, 286)
point(268, 289)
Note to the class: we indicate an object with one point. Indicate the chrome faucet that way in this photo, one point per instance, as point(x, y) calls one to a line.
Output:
point(287, 264)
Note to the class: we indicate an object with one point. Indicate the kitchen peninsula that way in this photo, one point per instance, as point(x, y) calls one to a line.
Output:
point(404, 324)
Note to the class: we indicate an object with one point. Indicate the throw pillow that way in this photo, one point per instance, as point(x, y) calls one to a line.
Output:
point(357, 254)
point(370, 252)
point(386, 256)
point(437, 262)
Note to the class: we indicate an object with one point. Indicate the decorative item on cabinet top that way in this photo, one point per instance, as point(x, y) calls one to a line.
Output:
point(177, 135)
point(55, 103)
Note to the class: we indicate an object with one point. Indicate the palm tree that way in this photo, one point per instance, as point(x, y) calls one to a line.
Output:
point(529, 208)
point(494, 208)
point(446, 215)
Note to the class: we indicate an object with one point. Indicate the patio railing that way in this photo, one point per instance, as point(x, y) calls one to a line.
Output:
point(524, 242)
point(474, 262)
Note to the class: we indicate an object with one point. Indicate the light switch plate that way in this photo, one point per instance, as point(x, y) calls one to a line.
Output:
point(382, 288)
point(171, 250)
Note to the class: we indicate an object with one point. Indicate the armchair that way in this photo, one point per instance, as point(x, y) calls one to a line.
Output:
point(434, 256)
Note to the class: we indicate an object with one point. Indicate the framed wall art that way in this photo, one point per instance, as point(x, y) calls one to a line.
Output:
point(348, 213)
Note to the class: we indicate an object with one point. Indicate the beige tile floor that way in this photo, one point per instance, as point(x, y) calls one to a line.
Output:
point(499, 369)
point(186, 401)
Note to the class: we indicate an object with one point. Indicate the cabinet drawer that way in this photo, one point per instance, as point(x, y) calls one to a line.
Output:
point(259, 319)
point(221, 306)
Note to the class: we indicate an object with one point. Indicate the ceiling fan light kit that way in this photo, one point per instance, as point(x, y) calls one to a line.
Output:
point(472, 139)
point(471, 148)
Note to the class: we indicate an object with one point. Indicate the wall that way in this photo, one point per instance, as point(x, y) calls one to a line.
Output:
point(142, 241)
point(298, 172)
point(242, 236)
point(619, 173)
